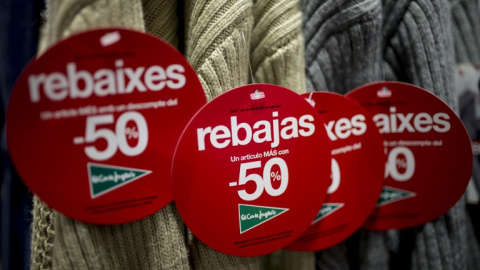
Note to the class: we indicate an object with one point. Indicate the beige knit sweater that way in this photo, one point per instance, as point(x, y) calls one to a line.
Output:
point(222, 40)
point(155, 242)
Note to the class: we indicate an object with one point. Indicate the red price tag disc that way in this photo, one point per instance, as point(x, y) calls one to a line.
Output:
point(358, 162)
point(251, 170)
point(429, 157)
point(92, 124)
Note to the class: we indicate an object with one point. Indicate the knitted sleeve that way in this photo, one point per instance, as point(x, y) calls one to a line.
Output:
point(418, 48)
point(43, 233)
point(217, 46)
point(155, 242)
point(68, 17)
point(341, 43)
point(217, 43)
point(277, 44)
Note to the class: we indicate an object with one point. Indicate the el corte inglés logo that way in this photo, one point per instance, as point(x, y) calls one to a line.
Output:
point(326, 210)
point(251, 216)
point(106, 178)
point(390, 195)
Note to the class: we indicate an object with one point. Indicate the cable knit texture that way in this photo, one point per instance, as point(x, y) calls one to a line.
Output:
point(416, 47)
point(42, 235)
point(342, 40)
point(448, 242)
point(155, 242)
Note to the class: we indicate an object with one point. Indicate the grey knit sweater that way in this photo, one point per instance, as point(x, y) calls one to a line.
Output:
point(349, 43)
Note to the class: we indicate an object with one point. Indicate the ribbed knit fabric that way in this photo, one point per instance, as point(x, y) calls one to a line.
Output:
point(204, 258)
point(447, 243)
point(417, 45)
point(43, 234)
point(155, 242)
point(277, 44)
point(161, 19)
point(342, 51)
point(217, 46)
point(43, 217)
point(67, 17)
point(466, 30)
point(217, 43)
point(342, 40)
point(418, 48)
point(64, 18)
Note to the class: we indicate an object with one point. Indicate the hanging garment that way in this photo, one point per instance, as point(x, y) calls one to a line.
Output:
point(154, 242)
point(343, 51)
point(216, 45)
point(416, 47)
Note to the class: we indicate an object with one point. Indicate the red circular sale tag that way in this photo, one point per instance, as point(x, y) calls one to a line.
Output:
point(92, 124)
point(357, 161)
point(251, 170)
point(429, 157)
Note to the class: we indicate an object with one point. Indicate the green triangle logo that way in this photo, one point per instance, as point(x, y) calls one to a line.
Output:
point(390, 195)
point(251, 216)
point(106, 178)
point(326, 210)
